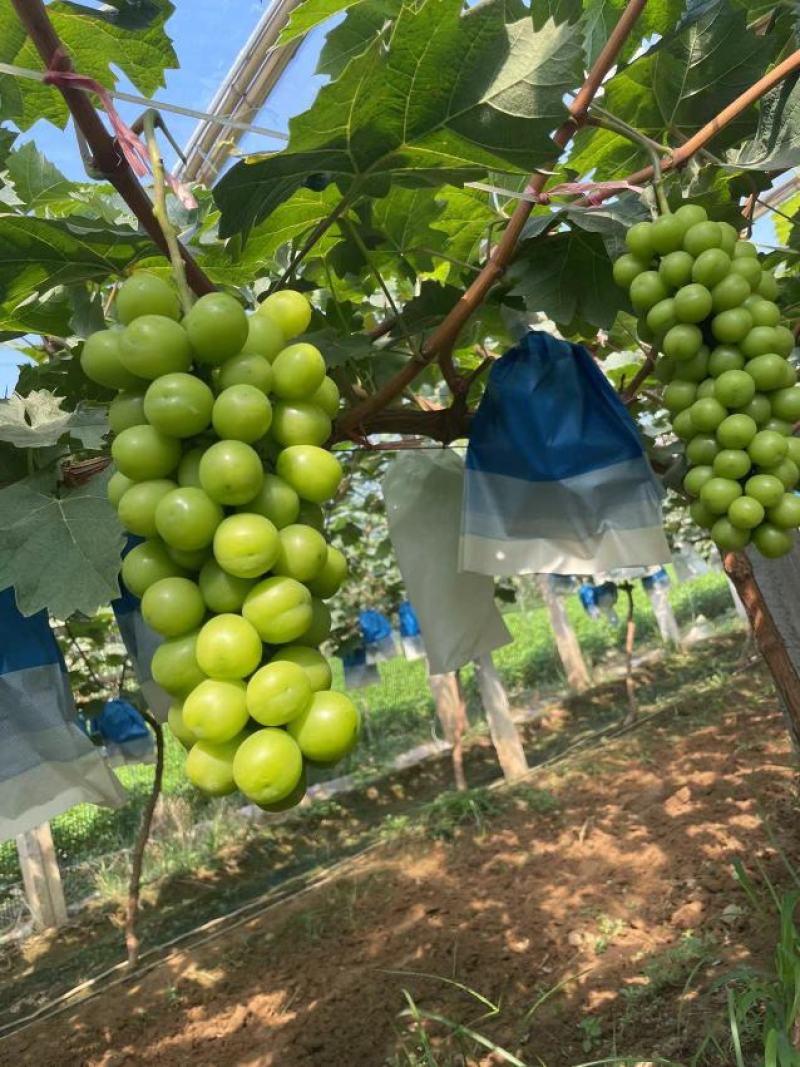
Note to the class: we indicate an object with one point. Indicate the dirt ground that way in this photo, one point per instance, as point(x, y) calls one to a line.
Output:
point(594, 906)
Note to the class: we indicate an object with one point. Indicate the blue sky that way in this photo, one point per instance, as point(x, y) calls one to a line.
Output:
point(207, 35)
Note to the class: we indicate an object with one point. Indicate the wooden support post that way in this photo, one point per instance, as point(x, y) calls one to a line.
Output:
point(569, 650)
point(452, 712)
point(505, 736)
point(42, 878)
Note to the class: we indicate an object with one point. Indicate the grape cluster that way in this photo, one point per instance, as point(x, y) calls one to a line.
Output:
point(218, 426)
point(707, 303)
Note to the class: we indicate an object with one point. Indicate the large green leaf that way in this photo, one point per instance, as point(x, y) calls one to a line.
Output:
point(776, 144)
point(37, 255)
point(599, 17)
point(465, 219)
point(679, 84)
point(568, 277)
point(36, 180)
point(289, 221)
point(457, 94)
point(60, 548)
point(130, 39)
point(353, 36)
point(312, 13)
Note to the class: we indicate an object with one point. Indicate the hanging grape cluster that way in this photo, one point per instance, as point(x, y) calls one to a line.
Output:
point(218, 431)
point(707, 303)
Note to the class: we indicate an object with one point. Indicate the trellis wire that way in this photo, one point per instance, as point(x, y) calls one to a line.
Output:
point(158, 105)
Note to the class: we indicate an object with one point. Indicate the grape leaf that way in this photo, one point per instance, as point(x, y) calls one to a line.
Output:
point(33, 421)
point(309, 14)
point(130, 39)
point(568, 276)
point(456, 94)
point(36, 255)
point(88, 426)
point(464, 220)
point(776, 144)
point(362, 24)
point(35, 179)
point(339, 349)
point(288, 221)
point(680, 83)
point(60, 548)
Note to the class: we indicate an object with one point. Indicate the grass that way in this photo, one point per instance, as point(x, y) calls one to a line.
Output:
point(398, 714)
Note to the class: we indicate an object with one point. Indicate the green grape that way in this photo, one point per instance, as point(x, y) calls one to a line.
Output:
point(696, 478)
point(731, 292)
point(679, 395)
point(702, 449)
point(702, 236)
point(758, 409)
point(734, 388)
point(146, 294)
point(154, 345)
point(186, 518)
point(666, 234)
point(178, 404)
point(126, 410)
point(137, 507)
point(719, 493)
point(290, 311)
point(736, 431)
point(771, 541)
point(216, 327)
point(746, 513)
point(749, 270)
point(117, 486)
point(101, 360)
point(724, 358)
point(728, 537)
point(646, 290)
point(682, 342)
point(732, 463)
point(682, 427)
point(242, 413)
point(707, 414)
point(700, 514)
point(628, 267)
point(661, 317)
point(732, 326)
point(705, 389)
point(786, 513)
point(766, 489)
point(767, 286)
point(711, 267)
point(767, 371)
point(692, 303)
point(639, 240)
point(143, 453)
point(264, 337)
point(246, 369)
point(745, 249)
point(785, 404)
point(675, 269)
point(764, 312)
point(173, 606)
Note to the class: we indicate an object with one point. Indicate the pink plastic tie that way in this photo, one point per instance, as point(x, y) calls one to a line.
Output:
point(132, 148)
point(594, 192)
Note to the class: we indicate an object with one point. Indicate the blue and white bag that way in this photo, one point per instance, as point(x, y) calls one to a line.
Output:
point(47, 763)
point(557, 481)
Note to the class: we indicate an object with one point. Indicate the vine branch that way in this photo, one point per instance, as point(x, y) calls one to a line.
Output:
point(443, 339)
point(107, 157)
point(706, 133)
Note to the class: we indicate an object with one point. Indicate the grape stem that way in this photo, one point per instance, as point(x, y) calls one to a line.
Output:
point(149, 120)
point(137, 856)
point(604, 119)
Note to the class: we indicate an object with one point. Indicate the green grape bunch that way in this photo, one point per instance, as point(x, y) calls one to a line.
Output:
point(708, 305)
point(219, 424)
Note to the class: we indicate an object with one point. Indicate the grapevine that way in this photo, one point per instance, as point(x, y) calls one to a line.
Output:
point(218, 424)
point(707, 302)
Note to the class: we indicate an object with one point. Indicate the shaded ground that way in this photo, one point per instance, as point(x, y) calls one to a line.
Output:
point(609, 873)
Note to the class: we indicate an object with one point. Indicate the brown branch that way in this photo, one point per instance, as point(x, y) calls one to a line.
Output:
point(107, 157)
point(137, 858)
point(700, 139)
point(443, 425)
point(444, 337)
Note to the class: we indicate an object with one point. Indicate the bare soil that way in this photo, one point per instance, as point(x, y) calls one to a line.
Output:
point(605, 881)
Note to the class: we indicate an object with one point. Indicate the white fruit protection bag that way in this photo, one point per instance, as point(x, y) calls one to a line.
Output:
point(457, 613)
